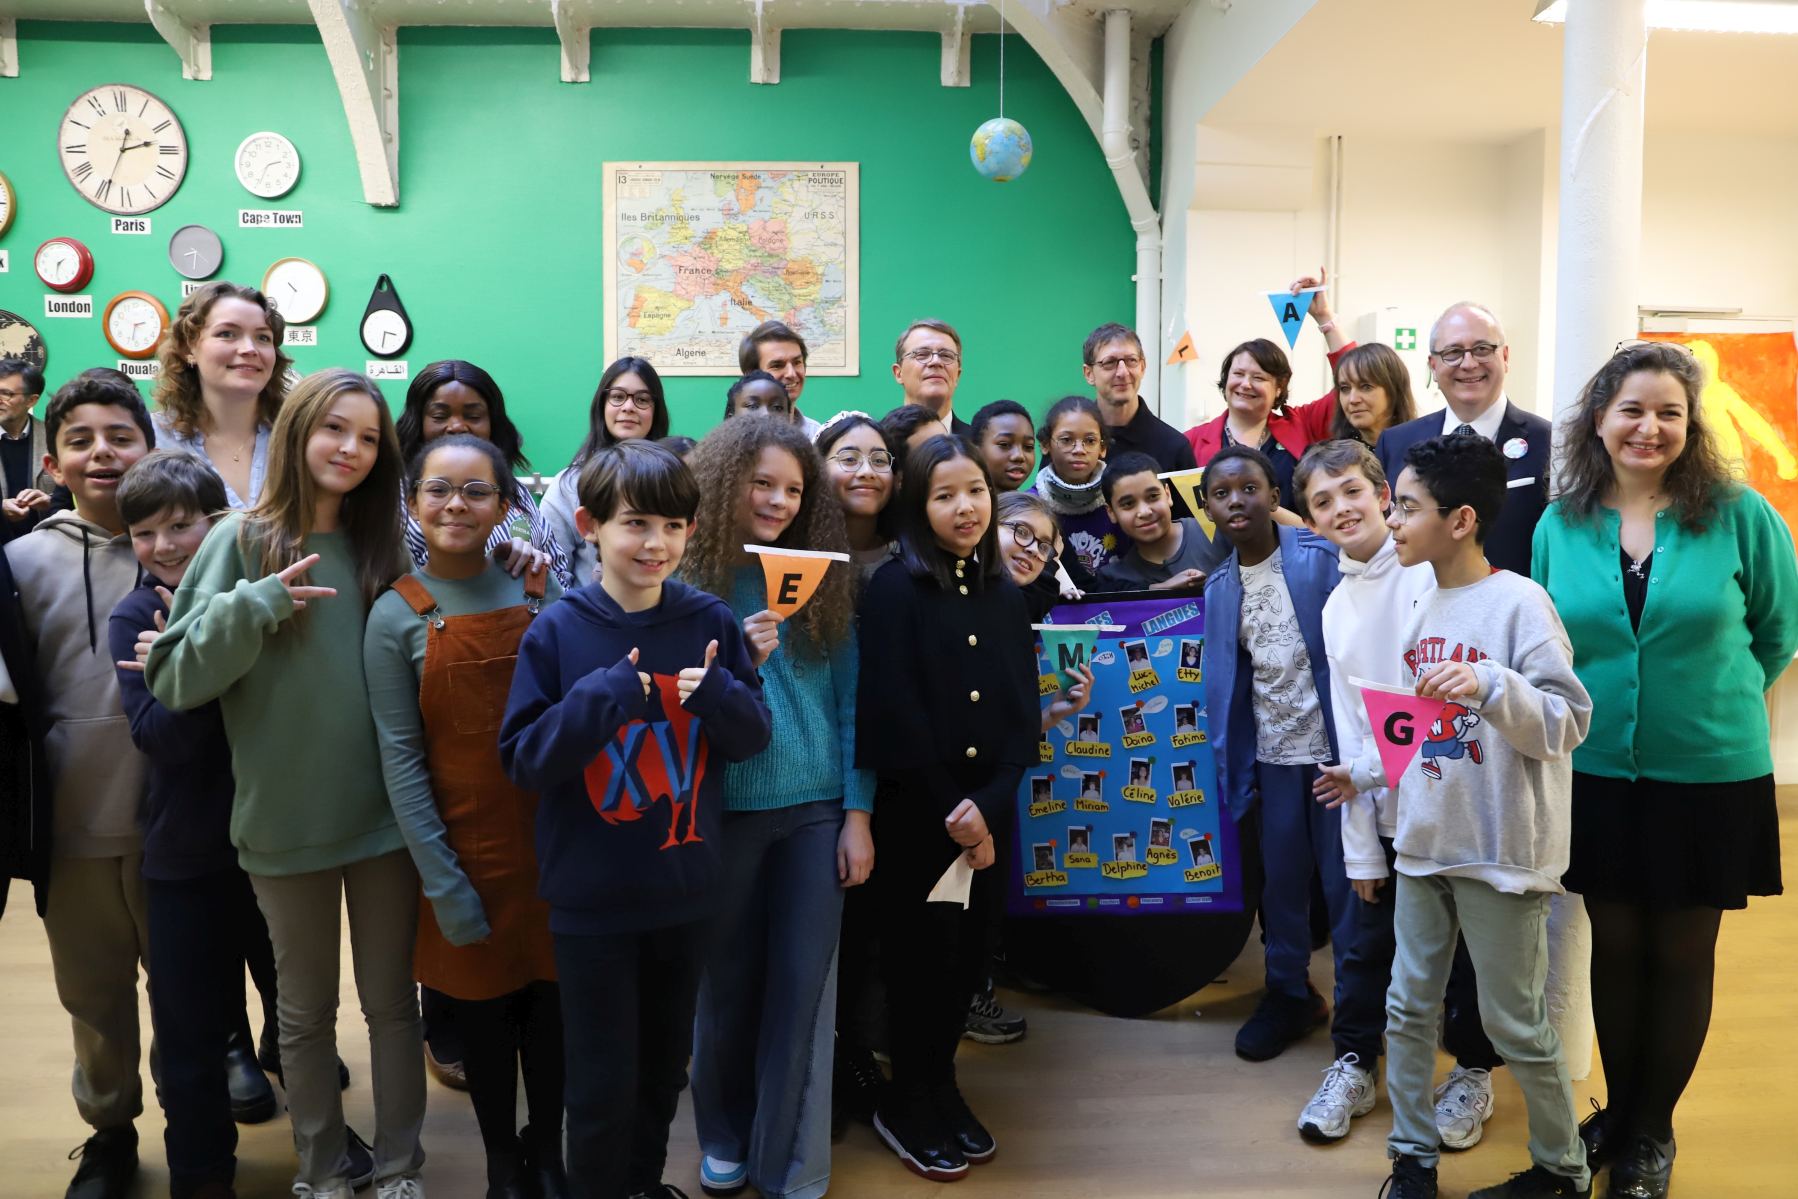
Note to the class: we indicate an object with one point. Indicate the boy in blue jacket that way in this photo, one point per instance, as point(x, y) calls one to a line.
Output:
point(628, 696)
point(1267, 685)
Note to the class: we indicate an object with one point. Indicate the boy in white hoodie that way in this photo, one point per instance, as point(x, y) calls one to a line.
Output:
point(1484, 817)
point(70, 572)
point(1342, 493)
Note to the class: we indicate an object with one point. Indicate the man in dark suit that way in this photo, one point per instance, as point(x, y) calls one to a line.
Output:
point(1469, 358)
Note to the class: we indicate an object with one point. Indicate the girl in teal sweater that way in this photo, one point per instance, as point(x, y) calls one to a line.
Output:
point(269, 621)
point(1678, 588)
point(796, 822)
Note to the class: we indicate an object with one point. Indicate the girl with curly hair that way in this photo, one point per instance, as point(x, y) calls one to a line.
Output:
point(223, 380)
point(797, 821)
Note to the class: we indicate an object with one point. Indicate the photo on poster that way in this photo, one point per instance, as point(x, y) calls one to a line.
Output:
point(1088, 728)
point(1133, 719)
point(1183, 776)
point(1161, 832)
point(1091, 784)
point(1139, 772)
point(1191, 653)
point(1136, 655)
point(1042, 788)
point(1123, 847)
point(1043, 853)
point(1080, 838)
point(1186, 718)
point(1200, 850)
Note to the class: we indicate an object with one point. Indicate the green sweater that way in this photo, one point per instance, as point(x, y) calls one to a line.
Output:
point(393, 657)
point(303, 749)
point(1680, 699)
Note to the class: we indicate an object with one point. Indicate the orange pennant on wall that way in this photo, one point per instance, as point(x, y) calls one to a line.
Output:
point(1184, 351)
point(792, 575)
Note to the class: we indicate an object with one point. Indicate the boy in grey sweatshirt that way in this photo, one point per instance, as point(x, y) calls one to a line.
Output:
point(1483, 817)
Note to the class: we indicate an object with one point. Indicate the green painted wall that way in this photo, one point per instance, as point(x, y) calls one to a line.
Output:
point(495, 247)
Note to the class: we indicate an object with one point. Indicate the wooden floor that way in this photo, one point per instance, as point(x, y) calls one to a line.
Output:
point(1085, 1106)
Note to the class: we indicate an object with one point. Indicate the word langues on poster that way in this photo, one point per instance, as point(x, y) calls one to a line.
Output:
point(1121, 814)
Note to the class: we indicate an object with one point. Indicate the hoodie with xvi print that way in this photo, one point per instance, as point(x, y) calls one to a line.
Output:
point(630, 815)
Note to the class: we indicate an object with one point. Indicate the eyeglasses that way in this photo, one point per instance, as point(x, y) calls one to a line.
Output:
point(1481, 351)
point(7, 393)
point(851, 460)
point(1024, 537)
point(922, 357)
point(642, 401)
point(1110, 364)
point(1402, 513)
point(1067, 441)
point(437, 492)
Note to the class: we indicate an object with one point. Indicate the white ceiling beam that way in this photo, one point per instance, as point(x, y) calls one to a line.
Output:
point(576, 39)
point(9, 48)
point(191, 43)
point(365, 59)
point(764, 46)
point(956, 44)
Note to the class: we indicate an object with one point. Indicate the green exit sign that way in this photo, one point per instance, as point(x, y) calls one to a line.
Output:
point(1404, 339)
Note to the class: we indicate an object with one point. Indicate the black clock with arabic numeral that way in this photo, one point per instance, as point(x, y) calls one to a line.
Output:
point(122, 148)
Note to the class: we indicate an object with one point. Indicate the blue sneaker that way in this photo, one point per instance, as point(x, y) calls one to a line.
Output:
point(722, 1178)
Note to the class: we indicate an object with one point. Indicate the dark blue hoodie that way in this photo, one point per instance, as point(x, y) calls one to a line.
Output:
point(630, 815)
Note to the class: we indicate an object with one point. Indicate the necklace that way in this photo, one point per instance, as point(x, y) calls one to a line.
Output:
point(237, 454)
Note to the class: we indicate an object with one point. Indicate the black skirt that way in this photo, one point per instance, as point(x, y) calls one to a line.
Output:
point(1674, 845)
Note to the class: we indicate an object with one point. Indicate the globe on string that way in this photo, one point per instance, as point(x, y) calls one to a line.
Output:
point(1000, 149)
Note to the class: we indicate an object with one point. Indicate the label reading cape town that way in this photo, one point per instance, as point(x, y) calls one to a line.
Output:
point(270, 218)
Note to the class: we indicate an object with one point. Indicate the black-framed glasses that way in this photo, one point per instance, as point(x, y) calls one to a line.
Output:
point(1110, 364)
point(880, 461)
point(1482, 351)
point(437, 492)
point(1402, 513)
point(1025, 538)
point(642, 401)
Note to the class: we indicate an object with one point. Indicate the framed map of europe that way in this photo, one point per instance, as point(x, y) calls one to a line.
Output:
point(699, 253)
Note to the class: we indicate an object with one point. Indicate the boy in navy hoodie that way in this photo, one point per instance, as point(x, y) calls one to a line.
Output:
point(628, 696)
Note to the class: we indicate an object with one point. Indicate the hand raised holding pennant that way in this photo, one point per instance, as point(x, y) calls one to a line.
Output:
point(762, 633)
point(1399, 719)
point(692, 676)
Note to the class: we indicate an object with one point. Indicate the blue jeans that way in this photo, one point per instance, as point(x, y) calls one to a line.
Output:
point(1299, 836)
point(762, 1043)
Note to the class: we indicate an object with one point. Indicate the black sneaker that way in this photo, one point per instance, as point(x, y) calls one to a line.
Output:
point(1279, 1020)
point(1643, 1169)
point(1595, 1134)
point(991, 1024)
point(108, 1163)
point(362, 1159)
point(1534, 1183)
point(916, 1134)
point(977, 1144)
point(856, 1089)
point(1410, 1179)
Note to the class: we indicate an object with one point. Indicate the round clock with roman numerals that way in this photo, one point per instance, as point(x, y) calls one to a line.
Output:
point(122, 148)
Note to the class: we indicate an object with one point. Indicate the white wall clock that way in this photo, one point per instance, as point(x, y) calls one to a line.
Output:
point(63, 264)
point(267, 165)
point(9, 204)
point(297, 289)
point(122, 149)
point(134, 323)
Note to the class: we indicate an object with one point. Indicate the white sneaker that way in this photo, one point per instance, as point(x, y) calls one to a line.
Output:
point(1463, 1105)
point(304, 1191)
point(1347, 1092)
point(405, 1186)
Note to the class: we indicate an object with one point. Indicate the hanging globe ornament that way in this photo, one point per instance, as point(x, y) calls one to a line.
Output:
point(1000, 149)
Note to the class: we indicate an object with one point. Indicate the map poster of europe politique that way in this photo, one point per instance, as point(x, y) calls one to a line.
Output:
point(699, 253)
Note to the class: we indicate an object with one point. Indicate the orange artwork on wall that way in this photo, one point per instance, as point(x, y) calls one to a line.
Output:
point(1751, 401)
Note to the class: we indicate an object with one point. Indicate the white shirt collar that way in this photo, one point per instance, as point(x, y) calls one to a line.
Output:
point(1485, 424)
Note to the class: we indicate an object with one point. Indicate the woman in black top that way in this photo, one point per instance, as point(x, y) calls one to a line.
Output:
point(947, 715)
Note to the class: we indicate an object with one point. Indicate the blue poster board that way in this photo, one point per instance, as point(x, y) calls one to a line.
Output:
point(1121, 814)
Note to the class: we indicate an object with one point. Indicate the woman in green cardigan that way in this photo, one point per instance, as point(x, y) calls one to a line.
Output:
point(1679, 590)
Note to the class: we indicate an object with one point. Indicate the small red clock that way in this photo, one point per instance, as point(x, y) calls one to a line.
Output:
point(64, 264)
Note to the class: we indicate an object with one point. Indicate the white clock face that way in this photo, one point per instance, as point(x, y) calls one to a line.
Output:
point(383, 332)
point(135, 325)
point(5, 203)
point(297, 289)
point(268, 165)
point(122, 149)
point(57, 263)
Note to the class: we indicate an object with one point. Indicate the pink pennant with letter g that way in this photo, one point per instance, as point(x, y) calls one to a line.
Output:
point(1399, 718)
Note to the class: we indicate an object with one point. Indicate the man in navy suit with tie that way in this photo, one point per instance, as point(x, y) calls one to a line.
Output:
point(1469, 358)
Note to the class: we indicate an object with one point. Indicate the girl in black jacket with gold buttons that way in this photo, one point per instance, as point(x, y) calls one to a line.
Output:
point(947, 715)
